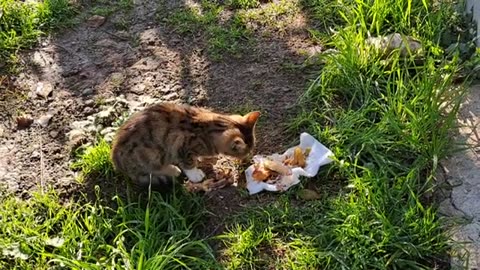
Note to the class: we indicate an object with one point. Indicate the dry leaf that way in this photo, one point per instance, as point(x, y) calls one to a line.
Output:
point(24, 121)
point(308, 195)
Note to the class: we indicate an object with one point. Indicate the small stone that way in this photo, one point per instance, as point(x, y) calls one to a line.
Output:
point(117, 78)
point(88, 111)
point(170, 96)
point(44, 89)
point(89, 102)
point(44, 120)
point(122, 34)
point(148, 63)
point(447, 209)
point(2, 131)
point(147, 100)
point(57, 156)
point(24, 121)
point(87, 91)
point(96, 21)
point(76, 138)
point(66, 181)
point(81, 125)
point(105, 113)
point(53, 133)
point(109, 101)
point(75, 134)
point(175, 40)
point(108, 43)
point(70, 72)
point(55, 242)
point(15, 251)
point(121, 98)
point(90, 120)
point(138, 88)
point(454, 181)
point(314, 50)
point(35, 155)
point(108, 133)
point(150, 36)
point(108, 130)
point(405, 44)
point(133, 105)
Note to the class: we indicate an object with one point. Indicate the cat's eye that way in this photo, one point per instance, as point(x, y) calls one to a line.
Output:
point(235, 144)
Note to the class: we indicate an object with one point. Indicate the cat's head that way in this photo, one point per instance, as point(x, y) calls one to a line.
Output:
point(239, 139)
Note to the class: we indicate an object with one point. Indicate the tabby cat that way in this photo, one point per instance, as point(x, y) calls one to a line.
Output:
point(150, 145)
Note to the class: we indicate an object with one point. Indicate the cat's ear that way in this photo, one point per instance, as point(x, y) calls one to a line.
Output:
point(251, 118)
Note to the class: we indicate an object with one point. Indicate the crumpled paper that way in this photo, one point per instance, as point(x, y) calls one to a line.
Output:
point(319, 156)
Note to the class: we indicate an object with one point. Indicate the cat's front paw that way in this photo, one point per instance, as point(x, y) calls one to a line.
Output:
point(195, 175)
point(176, 171)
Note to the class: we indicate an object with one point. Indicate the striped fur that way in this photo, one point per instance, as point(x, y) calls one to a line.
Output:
point(152, 143)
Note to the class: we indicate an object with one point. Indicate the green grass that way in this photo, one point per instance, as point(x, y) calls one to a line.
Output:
point(42, 233)
point(325, 14)
point(115, 233)
point(229, 34)
point(223, 38)
point(106, 8)
point(103, 11)
point(271, 16)
point(388, 123)
point(243, 4)
point(21, 23)
point(94, 161)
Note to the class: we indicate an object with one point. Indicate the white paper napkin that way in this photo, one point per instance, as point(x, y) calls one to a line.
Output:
point(319, 156)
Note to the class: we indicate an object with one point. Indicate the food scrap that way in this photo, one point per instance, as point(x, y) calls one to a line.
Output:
point(219, 175)
point(302, 160)
point(299, 158)
point(207, 185)
point(268, 169)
